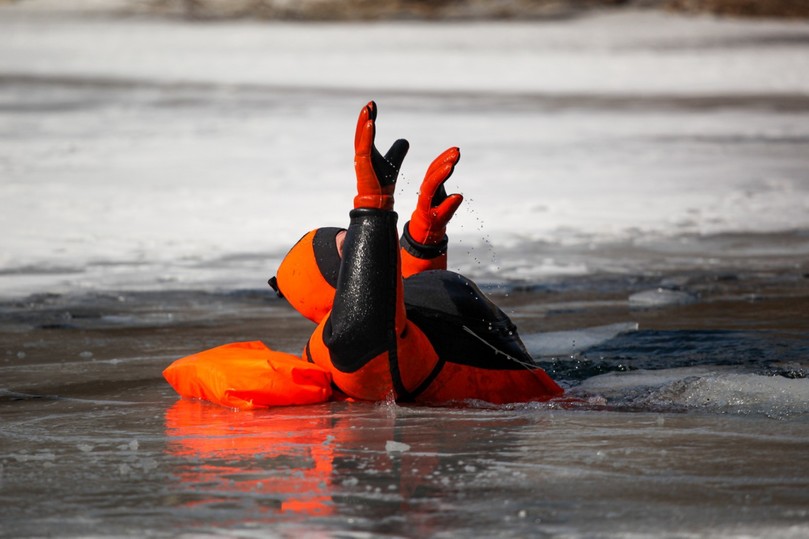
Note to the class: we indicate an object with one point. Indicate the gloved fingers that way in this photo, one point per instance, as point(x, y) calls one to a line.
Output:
point(364, 140)
point(450, 155)
point(376, 175)
point(432, 190)
point(387, 168)
point(397, 153)
point(365, 123)
point(445, 210)
point(439, 196)
point(366, 156)
point(434, 207)
point(428, 225)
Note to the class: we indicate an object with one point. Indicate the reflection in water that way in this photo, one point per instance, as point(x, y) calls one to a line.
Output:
point(373, 467)
point(262, 461)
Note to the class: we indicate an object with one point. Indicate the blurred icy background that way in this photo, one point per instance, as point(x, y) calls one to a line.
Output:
point(186, 144)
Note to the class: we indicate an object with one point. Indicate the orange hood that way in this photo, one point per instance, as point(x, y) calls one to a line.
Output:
point(307, 277)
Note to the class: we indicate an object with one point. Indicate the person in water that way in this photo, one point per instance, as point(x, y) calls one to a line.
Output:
point(391, 320)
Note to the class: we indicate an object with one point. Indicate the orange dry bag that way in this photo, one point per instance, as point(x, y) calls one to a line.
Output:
point(249, 375)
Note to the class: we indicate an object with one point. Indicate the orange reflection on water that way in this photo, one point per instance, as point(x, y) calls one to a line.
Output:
point(262, 461)
point(337, 462)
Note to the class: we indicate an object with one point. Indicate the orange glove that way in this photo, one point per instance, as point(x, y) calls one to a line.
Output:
point(376, 175)
point(434, 209)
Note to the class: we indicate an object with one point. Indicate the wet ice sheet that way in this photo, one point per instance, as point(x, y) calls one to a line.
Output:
point(573, 341)
point(711, 389)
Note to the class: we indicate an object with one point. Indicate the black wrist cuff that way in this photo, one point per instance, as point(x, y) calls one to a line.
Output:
point(420, 250)
point(365, 212)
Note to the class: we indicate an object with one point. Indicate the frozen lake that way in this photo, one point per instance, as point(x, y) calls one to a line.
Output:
point(637, 199)
point(144, 153)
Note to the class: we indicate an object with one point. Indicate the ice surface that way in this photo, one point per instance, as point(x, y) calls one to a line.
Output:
point(637, 53)
point(564, 343)
point(713, 389)
point(392, 446)
point(160, 154)
point(660, 297)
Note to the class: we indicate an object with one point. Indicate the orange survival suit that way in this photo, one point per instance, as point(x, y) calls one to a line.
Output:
point(391, 320)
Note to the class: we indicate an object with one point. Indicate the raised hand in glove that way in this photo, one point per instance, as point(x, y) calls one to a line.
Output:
point(376, 174)
point(434, 209)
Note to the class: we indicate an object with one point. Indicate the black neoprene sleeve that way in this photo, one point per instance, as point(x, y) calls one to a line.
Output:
point(362, 323)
